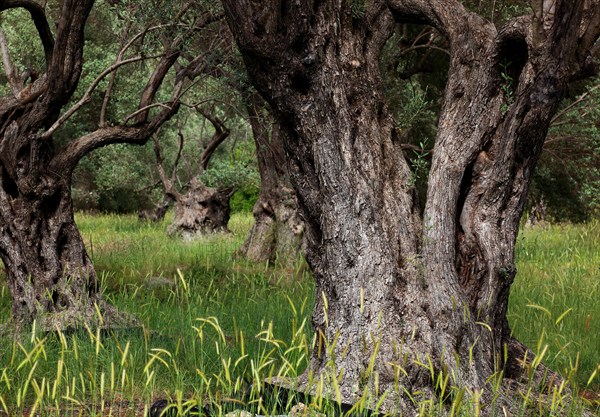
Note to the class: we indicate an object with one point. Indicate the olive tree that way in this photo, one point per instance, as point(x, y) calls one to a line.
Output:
point(48, 271)
point(404, 298)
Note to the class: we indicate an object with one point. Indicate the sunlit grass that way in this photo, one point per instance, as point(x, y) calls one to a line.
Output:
point(128, 251)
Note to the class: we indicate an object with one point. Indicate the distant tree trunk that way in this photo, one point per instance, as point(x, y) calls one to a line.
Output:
point(202, 210)
point(278, 229)
point(405, 301)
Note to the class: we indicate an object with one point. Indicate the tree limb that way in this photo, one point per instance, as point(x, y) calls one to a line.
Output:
point(119, 58)
point(167, 182)
point(64, 69)
point(180, 140)
point(221, 133)
point(591, 26)
point(38, 15)
point(155, 82)
point(449, 17)
point(87, 96)
point(145, 110)
point(579, 100)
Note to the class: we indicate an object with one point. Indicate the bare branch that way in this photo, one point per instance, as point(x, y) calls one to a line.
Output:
point(577, 102)
point(145, 110)
point(87, 96)
point(69, 156)
point(155, 81)
point(119, 58)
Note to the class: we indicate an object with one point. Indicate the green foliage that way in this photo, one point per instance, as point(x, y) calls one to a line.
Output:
point(243, 200)
point(507, 86)
point(116, 179)
point(358, 8)
point(232, 173)
point(567, 179)
point(25, 47)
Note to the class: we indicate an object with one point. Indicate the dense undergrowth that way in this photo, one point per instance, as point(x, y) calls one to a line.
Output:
point(213, 323)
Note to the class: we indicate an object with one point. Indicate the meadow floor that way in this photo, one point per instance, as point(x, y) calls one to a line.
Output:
point(212, 321)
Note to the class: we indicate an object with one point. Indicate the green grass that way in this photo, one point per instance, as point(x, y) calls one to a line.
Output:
point(213, 320)
point(555, 300)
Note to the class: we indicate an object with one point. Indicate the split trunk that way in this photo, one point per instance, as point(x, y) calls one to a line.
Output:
point(405, 301)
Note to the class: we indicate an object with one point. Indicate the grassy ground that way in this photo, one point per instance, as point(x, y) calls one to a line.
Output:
point(212, 320)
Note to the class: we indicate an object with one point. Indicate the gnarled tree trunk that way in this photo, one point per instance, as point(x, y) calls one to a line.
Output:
point(404, 301)
point(202, 210)
point(50, 276)
point(48, 271)
point(278, 230)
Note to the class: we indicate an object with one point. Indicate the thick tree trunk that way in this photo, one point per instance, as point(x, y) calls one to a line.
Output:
point(405, 303)
point(278, 230)
point(352, 184)
point(48, 271)
point(203, 210)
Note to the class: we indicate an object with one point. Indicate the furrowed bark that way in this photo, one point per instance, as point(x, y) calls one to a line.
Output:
point(49, 273)
point(426, 298)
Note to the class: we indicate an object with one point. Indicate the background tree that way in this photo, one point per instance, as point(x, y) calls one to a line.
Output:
point(397, 289)
point(278, 230)
point(48, 271)
point(201, 209)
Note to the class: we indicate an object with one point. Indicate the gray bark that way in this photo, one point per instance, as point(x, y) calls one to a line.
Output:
point(203, 210)
point(391, 285)
point(278, 230)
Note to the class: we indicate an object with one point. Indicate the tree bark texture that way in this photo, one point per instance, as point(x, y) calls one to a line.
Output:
point(277, 233)
point(48, 271)
point(203, 210)
point(404, 300)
